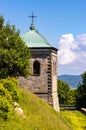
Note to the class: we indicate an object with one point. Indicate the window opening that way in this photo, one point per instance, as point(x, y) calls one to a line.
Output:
point(36, 68)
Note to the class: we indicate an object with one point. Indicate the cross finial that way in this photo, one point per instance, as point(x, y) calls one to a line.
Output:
point(32, 16)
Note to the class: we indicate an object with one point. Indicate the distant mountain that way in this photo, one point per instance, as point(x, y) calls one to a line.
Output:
point(72, 80)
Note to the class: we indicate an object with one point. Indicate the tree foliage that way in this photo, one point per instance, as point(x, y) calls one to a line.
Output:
point(14, 54)
point(65, 93)
point(81, 92)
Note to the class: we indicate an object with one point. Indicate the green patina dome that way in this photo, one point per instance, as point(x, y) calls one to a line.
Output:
point(34, 39)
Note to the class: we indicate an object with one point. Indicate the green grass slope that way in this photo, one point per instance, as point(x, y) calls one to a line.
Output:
point(39, 116)
point(75, 119)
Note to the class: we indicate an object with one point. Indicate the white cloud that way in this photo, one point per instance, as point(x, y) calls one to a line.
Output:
point(66, 49)
point(66, 56)
point(83, 54)
point(72, 53)
point(81, 39)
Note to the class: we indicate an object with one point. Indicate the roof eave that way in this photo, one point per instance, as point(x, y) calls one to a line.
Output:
point(53, 48)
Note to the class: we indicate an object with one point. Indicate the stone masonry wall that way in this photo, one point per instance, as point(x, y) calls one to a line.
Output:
point(45, 84)
point(54, 82)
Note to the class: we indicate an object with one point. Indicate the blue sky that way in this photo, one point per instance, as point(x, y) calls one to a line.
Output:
point(61, 22)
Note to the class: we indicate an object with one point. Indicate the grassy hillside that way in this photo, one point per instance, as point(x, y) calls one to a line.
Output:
point(39, 116)
point(75, 119)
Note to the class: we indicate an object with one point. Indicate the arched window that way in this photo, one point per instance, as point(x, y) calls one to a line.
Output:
point(36, 68)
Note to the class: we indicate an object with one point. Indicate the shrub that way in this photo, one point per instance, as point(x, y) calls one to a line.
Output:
point(12, 86)
point(9, 92)
point(4, 93)
point(5, 107)
point(5, 102)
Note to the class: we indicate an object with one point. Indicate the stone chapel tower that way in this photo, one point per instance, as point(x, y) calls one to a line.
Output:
point(43, 81)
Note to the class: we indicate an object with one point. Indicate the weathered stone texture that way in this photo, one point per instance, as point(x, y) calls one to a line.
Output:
point(43, 85)
point(54, 82)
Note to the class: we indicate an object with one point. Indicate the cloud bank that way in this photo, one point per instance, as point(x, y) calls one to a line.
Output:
point(72, 54)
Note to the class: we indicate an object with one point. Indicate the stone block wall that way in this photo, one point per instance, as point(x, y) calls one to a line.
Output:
point(43, 85)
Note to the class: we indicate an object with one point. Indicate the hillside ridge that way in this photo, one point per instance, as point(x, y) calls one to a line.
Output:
point(39, 115)
point(72, 80)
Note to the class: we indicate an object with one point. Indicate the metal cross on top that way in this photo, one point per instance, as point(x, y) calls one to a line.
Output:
point(32, 16)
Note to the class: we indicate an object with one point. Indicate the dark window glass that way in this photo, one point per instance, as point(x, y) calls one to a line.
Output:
point(36, 68)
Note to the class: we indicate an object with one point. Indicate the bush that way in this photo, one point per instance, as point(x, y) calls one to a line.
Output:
point(5, 102)
point(9, 92)
point(4, 93)
point(12, 86)
point(5, 107)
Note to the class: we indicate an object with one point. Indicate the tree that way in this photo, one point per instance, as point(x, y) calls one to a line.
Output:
point(81, 92)
point(65, 93)
point(14, 54)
